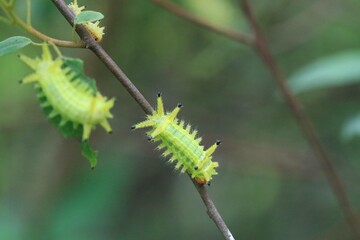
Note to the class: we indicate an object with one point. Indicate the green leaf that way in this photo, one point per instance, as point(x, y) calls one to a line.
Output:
point(77, 66)
point(331, 71)
point(88, 16)
point(88, 153)
point(13, 44)
point(351, 128)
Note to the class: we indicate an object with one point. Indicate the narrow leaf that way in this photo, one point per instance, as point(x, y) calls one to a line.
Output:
point(88, 153)
point(13, 44)
point(336, 70)
point(88, 16)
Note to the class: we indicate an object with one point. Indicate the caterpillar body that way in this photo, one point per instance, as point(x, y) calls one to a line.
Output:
point(68, 96)
point(180, 142)
point(93, 27)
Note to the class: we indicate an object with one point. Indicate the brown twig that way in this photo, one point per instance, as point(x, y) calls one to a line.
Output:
point(260, 46)
point(303, 120)
point(141, 100)
point(212, 211)
point(173, 8)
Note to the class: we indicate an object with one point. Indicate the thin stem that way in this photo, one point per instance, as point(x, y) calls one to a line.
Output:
point(212, 211)
point(303, 121)
point(28, 12)
point(40, 35)
point(140, 99)
point(178, 11)
point(4, 7)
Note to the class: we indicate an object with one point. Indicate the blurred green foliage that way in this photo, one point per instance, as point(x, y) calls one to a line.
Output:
point(270, 185)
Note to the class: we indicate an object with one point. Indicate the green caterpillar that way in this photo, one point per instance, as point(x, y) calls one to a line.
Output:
point(181, 143)
point(68, 95)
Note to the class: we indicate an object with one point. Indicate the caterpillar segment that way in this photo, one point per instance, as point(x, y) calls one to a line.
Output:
point(69, 97)
point(181, 143)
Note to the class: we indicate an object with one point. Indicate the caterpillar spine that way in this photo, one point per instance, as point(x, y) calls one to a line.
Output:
point(180, 142)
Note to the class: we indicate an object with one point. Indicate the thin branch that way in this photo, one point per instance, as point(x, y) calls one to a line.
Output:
point(40, 35)
point(303, 121)
point(141, 100)
point(182, 13)
point(212, 211)
point(28, 12)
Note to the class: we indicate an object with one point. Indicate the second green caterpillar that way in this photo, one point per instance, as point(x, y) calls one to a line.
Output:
point(181, 142)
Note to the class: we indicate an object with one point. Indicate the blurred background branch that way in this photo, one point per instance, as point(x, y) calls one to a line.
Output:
point(174, 9)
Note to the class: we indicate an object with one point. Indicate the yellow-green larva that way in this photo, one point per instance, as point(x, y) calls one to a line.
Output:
point(68, 96)
point(181, 142)
point(93, 27)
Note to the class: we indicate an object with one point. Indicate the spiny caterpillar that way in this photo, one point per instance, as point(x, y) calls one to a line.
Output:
point(67, 94)
point(181, 142)
point(93, 28)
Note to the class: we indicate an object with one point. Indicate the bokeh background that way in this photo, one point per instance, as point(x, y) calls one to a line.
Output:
point(269, 186)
